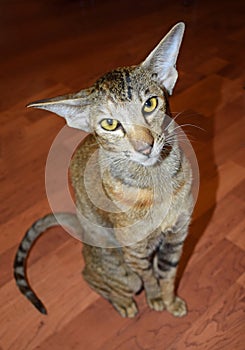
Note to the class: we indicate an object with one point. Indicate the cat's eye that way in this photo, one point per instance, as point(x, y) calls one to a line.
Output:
point(150, 105)
point(109, 124)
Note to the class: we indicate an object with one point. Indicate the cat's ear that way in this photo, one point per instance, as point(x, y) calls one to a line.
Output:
point(73, 107)
point(162, 60)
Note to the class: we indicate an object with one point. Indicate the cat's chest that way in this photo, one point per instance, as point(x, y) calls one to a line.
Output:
point(125, 196)
point(146, 209)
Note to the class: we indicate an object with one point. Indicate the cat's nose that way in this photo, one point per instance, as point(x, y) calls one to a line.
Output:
point(143, 147)
point(141, 139)
point(146, 150)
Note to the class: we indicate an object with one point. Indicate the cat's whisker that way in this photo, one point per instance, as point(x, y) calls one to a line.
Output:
point(173, 120)
point(177, 138)
point(188, 137)
point(188, 124)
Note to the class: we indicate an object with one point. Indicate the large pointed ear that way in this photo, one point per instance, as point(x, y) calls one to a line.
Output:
point(73, 107)
point(162, 60)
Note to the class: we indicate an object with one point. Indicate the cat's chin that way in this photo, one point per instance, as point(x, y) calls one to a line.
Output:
point(150, 161)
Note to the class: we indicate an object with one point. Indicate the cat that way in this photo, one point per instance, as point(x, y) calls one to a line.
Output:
point(144, 174)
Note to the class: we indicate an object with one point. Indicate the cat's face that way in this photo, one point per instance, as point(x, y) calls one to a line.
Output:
point(129, 113)
point(126, 109)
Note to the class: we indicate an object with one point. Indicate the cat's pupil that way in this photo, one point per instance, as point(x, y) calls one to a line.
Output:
point(110, 121)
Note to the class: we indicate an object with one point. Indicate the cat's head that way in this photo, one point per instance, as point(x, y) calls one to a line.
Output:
point(126, 109)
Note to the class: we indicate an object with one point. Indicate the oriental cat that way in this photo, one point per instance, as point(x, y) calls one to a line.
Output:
point(140, 170)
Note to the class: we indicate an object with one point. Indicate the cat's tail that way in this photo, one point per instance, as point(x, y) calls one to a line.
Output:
point(65, 219)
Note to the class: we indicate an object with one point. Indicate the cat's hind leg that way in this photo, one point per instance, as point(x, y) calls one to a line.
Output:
point(110, 277)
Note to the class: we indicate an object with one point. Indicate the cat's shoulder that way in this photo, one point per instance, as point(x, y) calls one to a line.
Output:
point(83, 153)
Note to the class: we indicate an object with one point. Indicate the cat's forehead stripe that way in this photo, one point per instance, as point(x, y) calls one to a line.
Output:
point(118, 84)
point(129, 87)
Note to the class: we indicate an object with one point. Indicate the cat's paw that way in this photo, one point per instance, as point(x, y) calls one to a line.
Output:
point(156, 304)
point(129, 311)
point(177, 308)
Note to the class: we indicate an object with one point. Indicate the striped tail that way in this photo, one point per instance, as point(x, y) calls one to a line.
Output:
point(40, 226)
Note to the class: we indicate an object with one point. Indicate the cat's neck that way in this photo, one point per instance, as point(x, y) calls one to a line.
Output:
point(135, 174)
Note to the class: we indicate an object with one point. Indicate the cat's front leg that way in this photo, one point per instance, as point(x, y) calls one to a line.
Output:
point(136, 257)
point(166, 264)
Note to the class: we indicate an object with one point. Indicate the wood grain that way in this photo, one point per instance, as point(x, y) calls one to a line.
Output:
point(55, 47)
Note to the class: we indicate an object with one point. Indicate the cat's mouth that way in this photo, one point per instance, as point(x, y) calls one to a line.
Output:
point(156, 157)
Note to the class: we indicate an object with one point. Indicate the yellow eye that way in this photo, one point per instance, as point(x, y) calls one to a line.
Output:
point(109, 124)
point(150, 105)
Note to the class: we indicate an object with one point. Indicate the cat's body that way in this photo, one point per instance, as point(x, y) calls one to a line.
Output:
point(138, 207)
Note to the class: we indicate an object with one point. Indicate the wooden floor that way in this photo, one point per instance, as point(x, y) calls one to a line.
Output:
point(51, 47)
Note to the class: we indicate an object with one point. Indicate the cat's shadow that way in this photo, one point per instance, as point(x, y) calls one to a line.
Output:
point(209, 178)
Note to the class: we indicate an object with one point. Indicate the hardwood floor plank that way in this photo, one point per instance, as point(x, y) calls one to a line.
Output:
point(211, 228)
point(198, 283)
point(220, 327)
point(241, 280)
point(235, 235)
point(213, 65)
point(219, 186)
